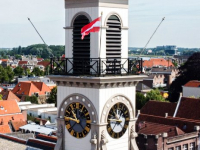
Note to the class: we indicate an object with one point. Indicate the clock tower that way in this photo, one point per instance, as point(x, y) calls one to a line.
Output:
point(96, 81)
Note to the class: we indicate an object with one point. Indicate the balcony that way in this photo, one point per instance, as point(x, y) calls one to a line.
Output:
point(95, 66)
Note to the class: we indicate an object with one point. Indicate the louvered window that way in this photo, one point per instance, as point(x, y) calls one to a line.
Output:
point(81, 48)
point(113, 44)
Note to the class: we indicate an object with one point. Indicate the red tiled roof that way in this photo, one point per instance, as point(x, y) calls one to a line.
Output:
point(9, 95)
point(44, 63)
point(189, 108)
point(187, 125)
point(194, 83)
point(158, 108)
point(4, 59)
point(29, 88)
point(9, 107)
point(18, 124)
point(155, 129)
point(25, 88)
point(5, 129)
point(22, 62)
point(157, 62)
point(40, 59)
point(42, 87)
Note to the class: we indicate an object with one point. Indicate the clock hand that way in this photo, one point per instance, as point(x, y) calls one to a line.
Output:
point(117, 120)
point(74, 115)
point(75, 120)
point(116, 116)
point(81, 126)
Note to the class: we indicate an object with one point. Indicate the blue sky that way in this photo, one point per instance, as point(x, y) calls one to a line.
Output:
point(181, 27)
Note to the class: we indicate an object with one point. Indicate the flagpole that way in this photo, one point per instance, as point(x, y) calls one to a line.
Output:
point(100, 36)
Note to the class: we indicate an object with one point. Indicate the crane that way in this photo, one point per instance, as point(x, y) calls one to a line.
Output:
point(152, 35)
point(40, 37)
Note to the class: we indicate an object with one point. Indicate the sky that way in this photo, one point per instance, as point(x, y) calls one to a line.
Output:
point(181, 26)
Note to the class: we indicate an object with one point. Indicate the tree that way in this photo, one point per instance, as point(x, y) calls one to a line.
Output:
point(3, 75)
point(140, 100)
point(53, 96)
point(190, 70)
point(36, 71)
point(18, 71)
point(33, 99)
point(154, 95)
point(9, 73)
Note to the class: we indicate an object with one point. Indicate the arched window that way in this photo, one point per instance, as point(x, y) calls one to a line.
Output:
point(81, 48)
point(113, 44)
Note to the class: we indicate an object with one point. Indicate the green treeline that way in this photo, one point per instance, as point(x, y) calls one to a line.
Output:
point(40, 50)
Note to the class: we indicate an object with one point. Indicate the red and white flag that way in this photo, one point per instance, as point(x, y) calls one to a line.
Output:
point(93, 26)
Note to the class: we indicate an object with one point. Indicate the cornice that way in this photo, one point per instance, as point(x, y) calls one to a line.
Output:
point(97, 82)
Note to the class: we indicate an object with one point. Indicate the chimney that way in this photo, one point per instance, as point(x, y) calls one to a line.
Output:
point(166, 115)
point(196, 128)
point(165, 134)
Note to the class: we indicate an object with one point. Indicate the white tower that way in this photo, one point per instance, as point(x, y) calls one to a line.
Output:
point(96, 85)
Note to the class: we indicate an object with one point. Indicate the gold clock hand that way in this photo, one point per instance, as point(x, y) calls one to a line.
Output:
point(116, 116)
point(74, 115)
point(75, 120)
point(117, 120)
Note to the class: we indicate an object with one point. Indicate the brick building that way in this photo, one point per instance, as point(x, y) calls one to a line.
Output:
point(169, 126)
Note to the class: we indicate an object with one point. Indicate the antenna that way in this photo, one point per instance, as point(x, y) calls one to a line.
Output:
point(40, 36)
point(152, 35)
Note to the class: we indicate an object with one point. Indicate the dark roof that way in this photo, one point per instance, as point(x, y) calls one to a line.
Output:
point(41, 144)
point(158, 108)
point(187, 125)
point(150, 128)
point(47, 138)
point(161, 70)
point(189, 108)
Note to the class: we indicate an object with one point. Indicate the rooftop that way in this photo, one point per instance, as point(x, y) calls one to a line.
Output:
point(153, 62)
point(151, 128)
point(158, 108)
point(194, 83)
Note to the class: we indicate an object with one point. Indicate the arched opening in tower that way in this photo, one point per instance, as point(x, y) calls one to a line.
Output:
point(113, 45)
point(81, 48)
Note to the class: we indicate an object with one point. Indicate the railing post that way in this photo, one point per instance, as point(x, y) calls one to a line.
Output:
point(128, 66)
point(141, 67)
point(65, 65)
point(99, 69)
point(114, 66)
point(51, 65)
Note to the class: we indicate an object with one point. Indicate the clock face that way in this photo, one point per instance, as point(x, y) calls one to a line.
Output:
point(77, 120)
point(118, 120)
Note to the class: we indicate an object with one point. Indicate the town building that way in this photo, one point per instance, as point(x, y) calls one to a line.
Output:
point(38, 89)
point(191, 89)
point(9, 95)
point(42, 111)
point(168, 49)
point(11, 117)
point(157, 63)
point(170, 126)
point(170, 74)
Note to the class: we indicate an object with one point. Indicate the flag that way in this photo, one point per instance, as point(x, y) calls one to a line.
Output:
point(93, 26)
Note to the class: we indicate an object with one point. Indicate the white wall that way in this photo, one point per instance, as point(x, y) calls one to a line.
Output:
point(191, 91)
point(94, 13)
point(98, 97)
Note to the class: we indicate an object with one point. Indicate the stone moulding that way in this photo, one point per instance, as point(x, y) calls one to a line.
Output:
point(182, 137)
point(97, 82)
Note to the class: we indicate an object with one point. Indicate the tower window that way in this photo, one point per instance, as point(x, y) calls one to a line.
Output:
point(81, 48)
